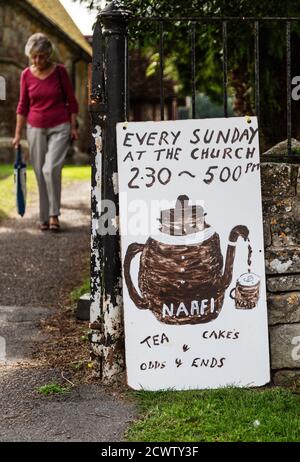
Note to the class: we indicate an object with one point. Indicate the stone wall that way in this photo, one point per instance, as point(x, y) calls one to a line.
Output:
point(16, 25)
point(281, 216)
point(281, 210)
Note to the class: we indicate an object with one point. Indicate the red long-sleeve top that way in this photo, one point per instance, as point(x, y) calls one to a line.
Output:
point(47, 102)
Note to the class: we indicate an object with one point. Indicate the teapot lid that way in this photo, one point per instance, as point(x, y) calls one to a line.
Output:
point(182, 220)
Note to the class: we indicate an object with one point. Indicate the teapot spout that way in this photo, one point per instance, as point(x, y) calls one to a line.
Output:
point(236, 232)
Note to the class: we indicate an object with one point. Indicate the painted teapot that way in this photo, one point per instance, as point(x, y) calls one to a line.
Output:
point(181, 277)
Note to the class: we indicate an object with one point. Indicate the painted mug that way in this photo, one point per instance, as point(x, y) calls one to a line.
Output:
point(246, 292)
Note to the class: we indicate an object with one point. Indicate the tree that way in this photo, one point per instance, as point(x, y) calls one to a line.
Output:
point(209, 52)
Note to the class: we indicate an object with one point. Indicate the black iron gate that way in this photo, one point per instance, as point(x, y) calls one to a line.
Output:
point(109, 104)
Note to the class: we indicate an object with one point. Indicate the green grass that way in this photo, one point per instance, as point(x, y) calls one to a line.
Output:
point(224, 415)
point(70, 173)
point(52, 389)
point(81, 290)
point(76, 173)
point(5, 170)
point(7, 190)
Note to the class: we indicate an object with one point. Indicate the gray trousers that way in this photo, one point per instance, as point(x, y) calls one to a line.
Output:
point(47, 151)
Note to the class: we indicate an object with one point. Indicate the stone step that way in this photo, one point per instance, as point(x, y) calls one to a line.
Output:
point(83, 307)
point(284, 308)
point(285, 346)
point(19, 331)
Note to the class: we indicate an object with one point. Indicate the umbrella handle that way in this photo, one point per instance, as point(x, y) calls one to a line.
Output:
point(19, 154)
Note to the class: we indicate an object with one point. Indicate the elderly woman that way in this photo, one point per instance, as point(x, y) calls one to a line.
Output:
point(48, 105)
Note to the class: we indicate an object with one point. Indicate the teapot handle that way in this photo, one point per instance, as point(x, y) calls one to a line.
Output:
point(132, 250)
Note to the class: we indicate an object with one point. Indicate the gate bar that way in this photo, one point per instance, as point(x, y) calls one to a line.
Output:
point(288, 87)
point(161, 70)
point(108, 330)
point(256, 67)
point(216, 19)
point(225, 67)
point(126, 79)
point(193, 70)
point(96, 105)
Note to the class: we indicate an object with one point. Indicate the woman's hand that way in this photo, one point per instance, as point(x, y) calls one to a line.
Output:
point(74, 133)
point(20, 124)
point(74, 127)
point(16, 141)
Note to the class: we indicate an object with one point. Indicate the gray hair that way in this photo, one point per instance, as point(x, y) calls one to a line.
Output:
point(38, 43)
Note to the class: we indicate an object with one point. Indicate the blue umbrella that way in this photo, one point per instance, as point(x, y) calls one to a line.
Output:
point(20, 182)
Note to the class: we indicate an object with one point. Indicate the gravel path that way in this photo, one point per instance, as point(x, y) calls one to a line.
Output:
point(38, 269)
point(42, 338)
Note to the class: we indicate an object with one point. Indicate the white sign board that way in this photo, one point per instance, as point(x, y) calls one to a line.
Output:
point(192, 254)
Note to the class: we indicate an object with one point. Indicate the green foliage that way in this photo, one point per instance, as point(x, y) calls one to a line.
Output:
point(209, 53)
point(205, 108)
point(84, 288)
point(85, 335)
point(204, 7)
point(78, 365)
point(52, 389)
point(76, 173)
point(224, 415)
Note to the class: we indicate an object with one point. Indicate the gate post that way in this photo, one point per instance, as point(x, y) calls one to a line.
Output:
point(107, 107)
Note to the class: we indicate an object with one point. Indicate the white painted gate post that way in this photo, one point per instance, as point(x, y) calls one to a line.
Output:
point(107, 107)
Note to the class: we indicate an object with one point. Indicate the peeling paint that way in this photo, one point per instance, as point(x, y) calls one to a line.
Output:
point(96, 192)
point(107, 338)
point(95, 309)
point(95, 226)
point(111, 348)
point(96, 338)
point(98, 139)
point(115, 222)
point(115, 182)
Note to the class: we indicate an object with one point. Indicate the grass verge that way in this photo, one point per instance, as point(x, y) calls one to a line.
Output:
point(7, 190)
point(84, 288)
point(223, 415)
point(70, 173)
point(52, 389)
point(76, 173)
point(5, 170)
